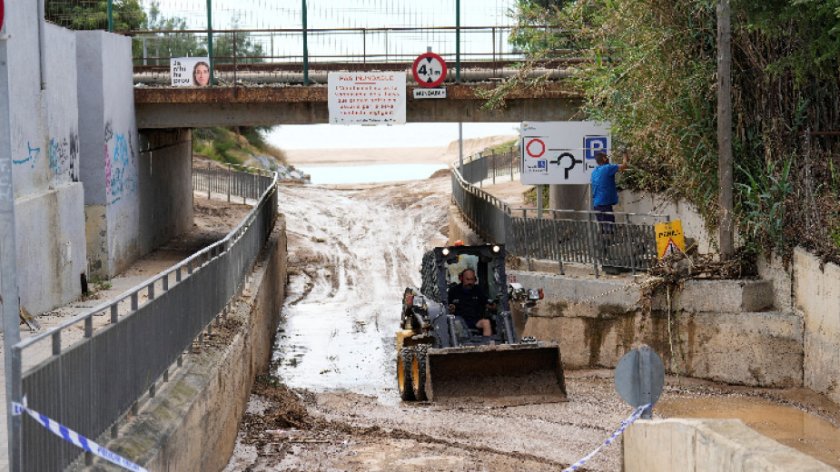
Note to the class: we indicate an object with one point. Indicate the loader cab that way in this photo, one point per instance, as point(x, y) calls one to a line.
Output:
point(488, 263)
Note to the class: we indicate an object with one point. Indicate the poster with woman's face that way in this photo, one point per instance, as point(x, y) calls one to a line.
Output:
point(190, 71)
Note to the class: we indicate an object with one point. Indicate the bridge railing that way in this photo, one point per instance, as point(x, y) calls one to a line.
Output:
point(88, 384)
point(564, 236)
point(278, 55)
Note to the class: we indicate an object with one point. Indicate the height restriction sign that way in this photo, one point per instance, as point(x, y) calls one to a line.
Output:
point(429, 70)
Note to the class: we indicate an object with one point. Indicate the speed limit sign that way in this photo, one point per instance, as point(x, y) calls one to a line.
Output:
point(429, 70)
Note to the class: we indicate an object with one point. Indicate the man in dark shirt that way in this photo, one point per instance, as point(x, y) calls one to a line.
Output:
point(469, 301)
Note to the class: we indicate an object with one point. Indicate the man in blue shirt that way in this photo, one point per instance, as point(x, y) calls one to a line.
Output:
point(604, 193)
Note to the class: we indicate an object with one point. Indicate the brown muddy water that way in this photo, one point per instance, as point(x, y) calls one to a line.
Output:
point(790, 426)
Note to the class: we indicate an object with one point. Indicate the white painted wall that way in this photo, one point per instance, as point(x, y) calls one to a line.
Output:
point(693, 224)
point(49, 201)
point(138, 192)
point(110, 150)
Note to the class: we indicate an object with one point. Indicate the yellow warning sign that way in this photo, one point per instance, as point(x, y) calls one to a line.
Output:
point(669, 238)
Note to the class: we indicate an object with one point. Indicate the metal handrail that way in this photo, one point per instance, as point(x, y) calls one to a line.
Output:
point(580, 237)
point(226, 263)
point(186, 263)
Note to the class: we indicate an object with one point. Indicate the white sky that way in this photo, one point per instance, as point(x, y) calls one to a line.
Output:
point(324, 136)
point(259, 14)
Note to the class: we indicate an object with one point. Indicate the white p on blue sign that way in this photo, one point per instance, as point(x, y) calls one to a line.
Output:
point(593, 144)
point(561, 152)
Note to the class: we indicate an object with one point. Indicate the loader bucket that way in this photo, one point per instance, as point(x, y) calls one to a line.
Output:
point(497, 374)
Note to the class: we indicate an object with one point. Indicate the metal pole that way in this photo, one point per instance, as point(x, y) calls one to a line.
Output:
point(305, 45)
point(111, 15)
point(461, 147)
point(8, 262)
point(724, 130)
point(458, 41)
point(42, 44)
point(493, 41)
point(210, 41)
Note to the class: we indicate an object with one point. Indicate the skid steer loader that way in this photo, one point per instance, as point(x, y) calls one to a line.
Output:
point(440, 358)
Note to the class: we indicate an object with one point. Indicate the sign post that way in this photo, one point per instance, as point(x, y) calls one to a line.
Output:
point(429, 71)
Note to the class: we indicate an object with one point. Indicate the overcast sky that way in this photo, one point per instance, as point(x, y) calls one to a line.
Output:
point(364, 137)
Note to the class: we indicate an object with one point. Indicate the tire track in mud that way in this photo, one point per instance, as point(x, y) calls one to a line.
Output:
point(398, 433)
point(354, 247)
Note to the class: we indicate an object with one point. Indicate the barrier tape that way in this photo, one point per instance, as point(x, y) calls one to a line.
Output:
point(624, 424)
point(75, 438)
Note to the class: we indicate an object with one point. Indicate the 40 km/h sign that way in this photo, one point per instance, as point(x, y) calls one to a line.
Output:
point(429, 70)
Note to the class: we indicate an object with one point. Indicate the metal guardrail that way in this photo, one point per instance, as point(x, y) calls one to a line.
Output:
point(491, 166)
point(239, 181)
point(480, 53)
point(564, 235)
point(89, 385)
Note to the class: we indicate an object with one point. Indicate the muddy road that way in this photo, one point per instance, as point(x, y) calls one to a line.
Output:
point(331, 402)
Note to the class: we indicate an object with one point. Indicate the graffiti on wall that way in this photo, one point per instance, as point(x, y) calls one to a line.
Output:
point(31, 158)
point(120, 168)
point(64, 156)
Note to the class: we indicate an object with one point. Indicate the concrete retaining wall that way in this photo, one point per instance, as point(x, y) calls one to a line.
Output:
point(109, 143)
point(708, 446)
point(817, 294)
point(724, 338)
point(49, 200)
point(693, 225)
point(140, 189)
point(191, 425)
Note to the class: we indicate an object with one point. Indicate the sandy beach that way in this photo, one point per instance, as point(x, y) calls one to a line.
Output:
point(415, 155)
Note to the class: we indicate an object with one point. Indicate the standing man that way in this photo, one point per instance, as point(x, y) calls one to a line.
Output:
point(604, 193)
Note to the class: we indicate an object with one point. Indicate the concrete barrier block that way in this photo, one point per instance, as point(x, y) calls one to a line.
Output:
point(708, 446)
point(817, 294)
point(597, 295)
point(729, 296)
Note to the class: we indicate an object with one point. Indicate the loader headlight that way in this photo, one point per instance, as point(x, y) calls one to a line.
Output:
point(445, 251)
point(496, 249)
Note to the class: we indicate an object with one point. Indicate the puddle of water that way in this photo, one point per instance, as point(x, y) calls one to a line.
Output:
point(792, 427)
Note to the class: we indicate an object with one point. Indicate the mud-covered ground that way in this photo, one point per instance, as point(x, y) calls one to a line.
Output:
point(331, 401)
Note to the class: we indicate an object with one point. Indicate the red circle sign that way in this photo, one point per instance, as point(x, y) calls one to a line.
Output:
point(535, 143)
point(429, 70)
point(1, 13)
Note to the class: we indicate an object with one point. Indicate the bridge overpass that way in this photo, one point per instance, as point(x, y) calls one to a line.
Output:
point(286, 83)
point(171, 107)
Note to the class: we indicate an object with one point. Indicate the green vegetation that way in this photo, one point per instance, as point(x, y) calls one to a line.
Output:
point(93, 14)
point(234, 146)
point(504, 147)
point(651, 72)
